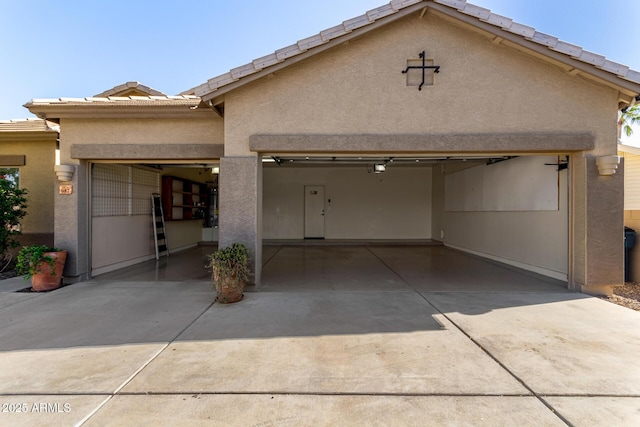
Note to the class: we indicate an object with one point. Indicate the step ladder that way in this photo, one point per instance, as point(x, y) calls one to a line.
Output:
point(159, 231)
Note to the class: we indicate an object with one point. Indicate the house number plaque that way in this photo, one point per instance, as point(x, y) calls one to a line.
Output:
point(66, 189)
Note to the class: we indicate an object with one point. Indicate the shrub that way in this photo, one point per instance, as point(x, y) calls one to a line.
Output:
point(13, 204)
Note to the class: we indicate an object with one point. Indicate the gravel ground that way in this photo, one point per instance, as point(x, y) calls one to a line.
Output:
point(626, 296)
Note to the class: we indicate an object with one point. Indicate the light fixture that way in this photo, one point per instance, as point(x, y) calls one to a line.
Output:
point(215, 169)
point(607, 165)
point(64, 172)
point(379, 168)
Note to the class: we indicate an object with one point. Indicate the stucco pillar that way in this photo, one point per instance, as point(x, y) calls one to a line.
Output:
point(71, 224)
point(240, 189)
point(597, 251)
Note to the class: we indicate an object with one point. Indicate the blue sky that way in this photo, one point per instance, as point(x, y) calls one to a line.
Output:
point(78, 48)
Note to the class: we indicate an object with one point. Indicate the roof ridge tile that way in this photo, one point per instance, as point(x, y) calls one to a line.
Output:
point(221, 80)
point(545, 39)
point(499, 20)
point(401, 4)
point(289, 51)
point(380, 12)
point(357, 22)
point(243, 70)
point(521, 29)
point(477, 11)
point(592, 58)
point(615, 68)
point(311, 42)
point(568, 49)
point(333, 32)
point(266, 61)
point(458, 4)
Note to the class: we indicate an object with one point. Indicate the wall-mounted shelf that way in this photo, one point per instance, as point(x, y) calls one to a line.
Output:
point(183, 199)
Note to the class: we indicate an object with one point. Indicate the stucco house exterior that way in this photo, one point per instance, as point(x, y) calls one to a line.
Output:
point(27, 150)
point(631, 157)
point(417, 120)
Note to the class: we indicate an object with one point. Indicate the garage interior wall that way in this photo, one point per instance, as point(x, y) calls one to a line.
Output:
point(535, 240)
point(358, 203)
point(122, 230)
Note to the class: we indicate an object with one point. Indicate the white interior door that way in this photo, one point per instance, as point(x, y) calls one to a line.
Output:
point(314, 212)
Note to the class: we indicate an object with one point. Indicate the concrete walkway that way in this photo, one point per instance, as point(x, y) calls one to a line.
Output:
point(338, 336)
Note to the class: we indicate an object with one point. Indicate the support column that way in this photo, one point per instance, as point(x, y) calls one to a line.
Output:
point(240, 188)
point(71, 231)
point(597, 223)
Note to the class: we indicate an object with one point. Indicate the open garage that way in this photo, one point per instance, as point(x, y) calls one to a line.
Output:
point(419, 121)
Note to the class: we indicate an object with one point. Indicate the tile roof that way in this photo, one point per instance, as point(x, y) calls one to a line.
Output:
point(482, 14)
point(28, 125)
point(152, 100)
point(129, 87)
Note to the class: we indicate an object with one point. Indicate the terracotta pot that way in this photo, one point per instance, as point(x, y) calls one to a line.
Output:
point(229, 288)
point(44, 280)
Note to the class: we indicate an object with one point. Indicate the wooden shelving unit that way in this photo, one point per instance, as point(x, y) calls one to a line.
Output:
point(183, 199)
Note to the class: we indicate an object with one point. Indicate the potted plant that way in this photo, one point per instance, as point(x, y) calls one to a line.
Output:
point(230, 272)
point(43, 265)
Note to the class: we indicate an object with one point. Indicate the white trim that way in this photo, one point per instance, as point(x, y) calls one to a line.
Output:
point(628, 149)
point(182, 248)
point(533, 268)
point(119, 265)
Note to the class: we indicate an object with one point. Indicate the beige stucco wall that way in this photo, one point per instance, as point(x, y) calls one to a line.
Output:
point(363, 205)
point(38, 177)
point(533, 240)
point(201, 129)
point(481, 88)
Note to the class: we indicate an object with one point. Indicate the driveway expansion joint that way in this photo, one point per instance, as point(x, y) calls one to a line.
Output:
point(141, 368)
point(487, 352)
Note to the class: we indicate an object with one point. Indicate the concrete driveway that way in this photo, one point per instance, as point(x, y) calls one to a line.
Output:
point(337, 336)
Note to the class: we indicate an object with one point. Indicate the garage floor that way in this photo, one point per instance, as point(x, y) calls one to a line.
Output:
point(371, 267)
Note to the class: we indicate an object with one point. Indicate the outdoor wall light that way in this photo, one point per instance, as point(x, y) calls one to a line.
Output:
point(379, 168)
point(607, 165)
point(215, 169)
point(65, 172)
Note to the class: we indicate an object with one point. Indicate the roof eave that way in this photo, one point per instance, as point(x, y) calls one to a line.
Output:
point(66, 111)
point(628, 89)
point(631, 89)
point(31, 136)
point(218, 92)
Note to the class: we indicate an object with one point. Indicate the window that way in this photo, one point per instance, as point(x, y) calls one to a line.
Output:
point(120, 190)
point(12, 174)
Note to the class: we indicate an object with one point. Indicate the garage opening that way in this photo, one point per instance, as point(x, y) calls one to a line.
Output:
point(122, 228)
point(511, 209)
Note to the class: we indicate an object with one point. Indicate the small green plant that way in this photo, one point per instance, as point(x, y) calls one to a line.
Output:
point(629, 117)
point(30, 257)
point(232, 261)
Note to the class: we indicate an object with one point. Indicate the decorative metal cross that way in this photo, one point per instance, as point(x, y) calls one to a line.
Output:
point(423, 67)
